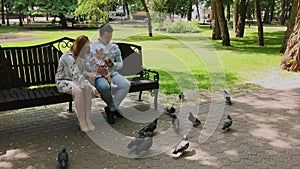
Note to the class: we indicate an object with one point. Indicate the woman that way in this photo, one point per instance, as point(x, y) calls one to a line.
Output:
point(70, 79)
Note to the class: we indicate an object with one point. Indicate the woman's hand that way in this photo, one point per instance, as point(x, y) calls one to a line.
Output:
point(94, 90)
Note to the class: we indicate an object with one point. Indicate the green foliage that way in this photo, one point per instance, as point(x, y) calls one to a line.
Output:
point(183, 27)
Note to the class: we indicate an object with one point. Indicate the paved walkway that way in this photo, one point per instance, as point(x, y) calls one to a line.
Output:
point(265, 134)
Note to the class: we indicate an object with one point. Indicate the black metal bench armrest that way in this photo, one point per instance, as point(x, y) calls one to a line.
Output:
point(150, 74)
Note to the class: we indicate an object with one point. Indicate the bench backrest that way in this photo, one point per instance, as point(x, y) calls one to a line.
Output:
point(31, 65)
point(132, 59)
point(36, 65)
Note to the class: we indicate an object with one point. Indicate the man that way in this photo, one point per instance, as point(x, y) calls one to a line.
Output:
point(102, 85)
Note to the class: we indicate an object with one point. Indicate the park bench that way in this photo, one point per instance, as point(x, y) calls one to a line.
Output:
point(28, 74)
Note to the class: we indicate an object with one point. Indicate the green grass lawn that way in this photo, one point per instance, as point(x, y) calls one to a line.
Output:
point(191, 60)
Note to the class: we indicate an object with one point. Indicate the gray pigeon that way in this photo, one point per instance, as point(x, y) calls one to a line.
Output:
point(227, 98)
point(182, 146)
point(148, 130)
point(138, 140)
point(194, 120)
point(169, 110)
point(175, 122)
point(227, 123)
point(181, 96)
point(144, 146)
point(63, 158)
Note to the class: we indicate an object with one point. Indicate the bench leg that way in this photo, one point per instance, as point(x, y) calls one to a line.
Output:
point(155, 93)
point(70, 106)
point(140, 96)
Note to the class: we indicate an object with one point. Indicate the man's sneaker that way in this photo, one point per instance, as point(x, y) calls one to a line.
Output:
point(109, 115)
point(118, 114)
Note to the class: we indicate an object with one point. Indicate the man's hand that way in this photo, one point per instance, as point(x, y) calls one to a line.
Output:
point(102, 70)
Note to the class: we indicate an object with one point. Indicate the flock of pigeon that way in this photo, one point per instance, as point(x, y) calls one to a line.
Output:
point(144, 140)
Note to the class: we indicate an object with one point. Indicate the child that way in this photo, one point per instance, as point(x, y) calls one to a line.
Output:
point(100, 60)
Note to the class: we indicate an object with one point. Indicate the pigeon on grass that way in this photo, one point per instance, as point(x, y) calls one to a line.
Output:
point(181, 96)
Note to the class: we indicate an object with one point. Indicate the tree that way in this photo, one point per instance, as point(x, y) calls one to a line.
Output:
point(159, 6)
point(290, 26)
point(2, 11)
point(222, 22)
point(148, 17)
point(241, 18)
point(259, 23)
point(60, 8)
point(291, 58)
point(282, 12)
point(216, 33)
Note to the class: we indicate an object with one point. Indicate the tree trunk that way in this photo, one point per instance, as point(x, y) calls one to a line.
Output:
point(2, 11)
point(271, 10)
point(228, 11)
point(282, 12)
point(222, 23)
point(198, 12)
point(259, 23)
point(63, 21)
point(267, 13)
point(148, 17)
point(235, 15)
point(241, 19)
point(216, 33)
point(290, 26)
point(127, 10)
point(7, 15)
point(21, 20)
point(291, 59)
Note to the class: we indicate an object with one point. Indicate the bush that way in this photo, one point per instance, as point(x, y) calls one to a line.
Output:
point(183, 27)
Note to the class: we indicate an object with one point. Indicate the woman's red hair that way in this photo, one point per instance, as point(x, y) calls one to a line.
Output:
point(79, 44)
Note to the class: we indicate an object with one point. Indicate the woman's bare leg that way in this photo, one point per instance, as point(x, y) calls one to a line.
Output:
point(79, 107)
point(87, 109)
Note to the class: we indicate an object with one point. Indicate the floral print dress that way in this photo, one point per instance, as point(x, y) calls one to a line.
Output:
point(68, 73)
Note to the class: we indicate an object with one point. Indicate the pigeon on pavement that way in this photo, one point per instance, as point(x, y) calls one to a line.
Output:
point(227, 98)
point(227, 123)
point(169, 110)
point(181, 96)
point(144, 146)
point(194, 120)
point(138, 140)
point(182, 146)
point(175, 122)
point(148, 130)
point(63, 158)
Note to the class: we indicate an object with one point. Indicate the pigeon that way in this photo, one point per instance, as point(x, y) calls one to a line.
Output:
point(175, 122)
point(227, 123)
point(181, 96)
point(138, 140)
point(182, 146)
point(227, 97)
point(194, 120)
point(144, 146)
point(148, 130)
point(169, 111)
point(63, 158)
